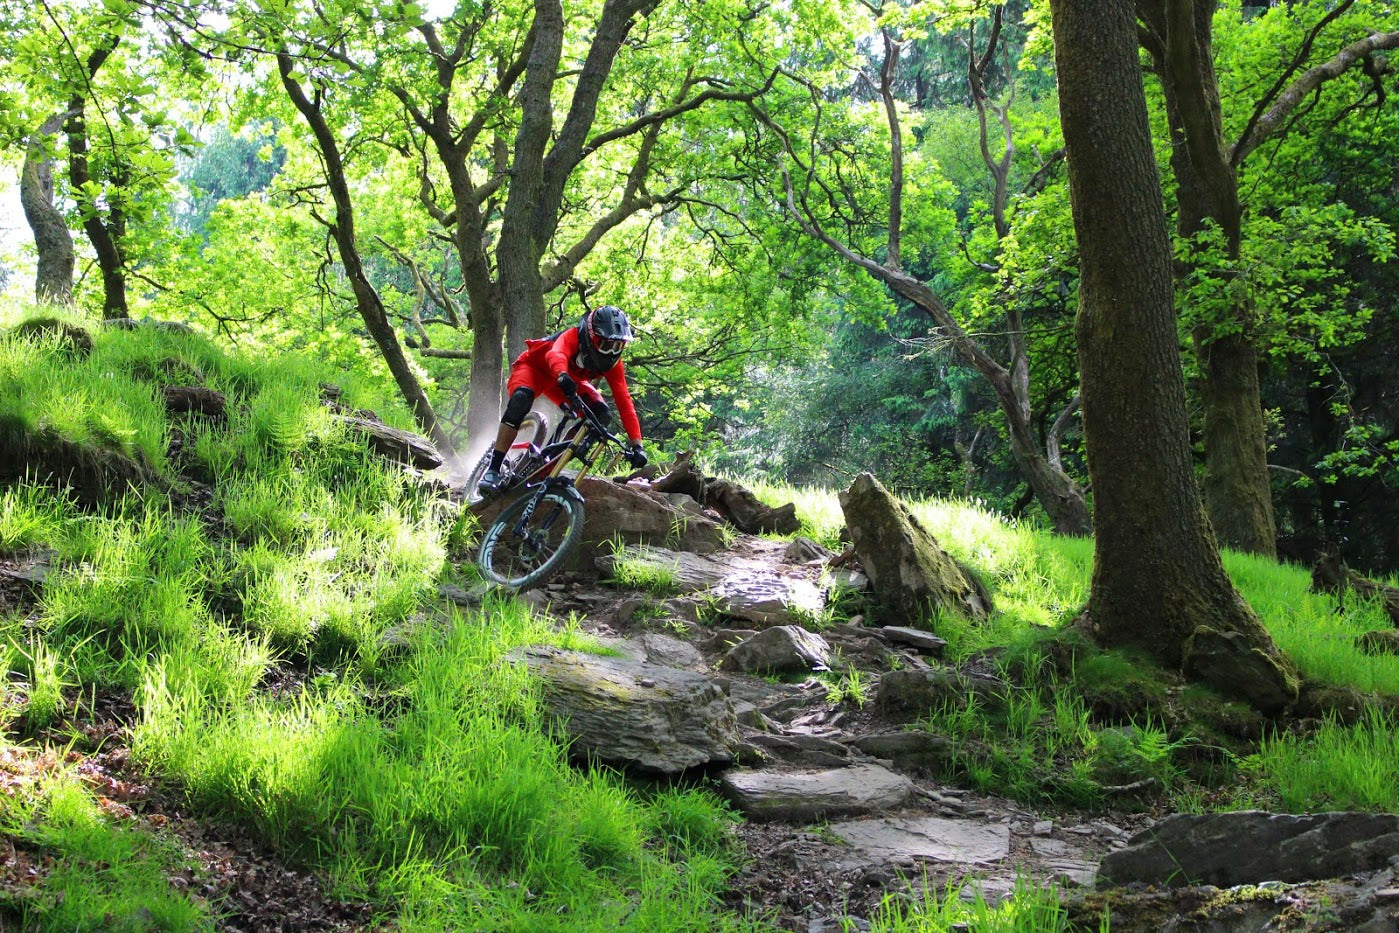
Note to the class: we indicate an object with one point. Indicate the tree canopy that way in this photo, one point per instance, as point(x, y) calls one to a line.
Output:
point(842, 230)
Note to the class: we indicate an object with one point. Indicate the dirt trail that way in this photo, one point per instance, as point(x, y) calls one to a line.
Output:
point(807, 873)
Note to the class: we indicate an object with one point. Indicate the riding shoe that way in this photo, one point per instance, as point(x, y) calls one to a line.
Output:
point(490, 483)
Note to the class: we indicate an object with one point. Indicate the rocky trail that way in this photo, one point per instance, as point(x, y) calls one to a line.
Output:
point(840, 805)
point(727, 662)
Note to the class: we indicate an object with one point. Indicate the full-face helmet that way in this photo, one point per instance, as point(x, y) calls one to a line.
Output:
point(602, 334)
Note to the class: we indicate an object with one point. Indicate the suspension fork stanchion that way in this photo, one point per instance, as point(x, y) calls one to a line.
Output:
point(564, 459)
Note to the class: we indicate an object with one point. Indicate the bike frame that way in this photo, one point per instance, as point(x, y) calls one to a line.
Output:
point(578, 445)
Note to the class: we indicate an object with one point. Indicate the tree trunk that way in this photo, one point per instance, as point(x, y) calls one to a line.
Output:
point(1238, 492)
point(483, 295)
point(518, 256)
point(1059, 493)
point(367, 300)
point(1158, 583)
point(53, 282)
point(102, 234)
point(1237, 489)
point(105, 235)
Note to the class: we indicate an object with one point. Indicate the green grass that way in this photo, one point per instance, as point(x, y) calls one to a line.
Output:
point(1030, 909)
point(30, 516)
point(95, 873)
point(1335, 767)
point(47, 681)
point(1042, 743)
point(642, 572)
point(423, 778)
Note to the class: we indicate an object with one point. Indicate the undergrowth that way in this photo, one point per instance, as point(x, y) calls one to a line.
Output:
point(96, 874)
point(402, 757)
point(1111, 721)
point(1031, 908)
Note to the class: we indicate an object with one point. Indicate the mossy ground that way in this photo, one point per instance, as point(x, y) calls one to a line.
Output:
point(1059, 738)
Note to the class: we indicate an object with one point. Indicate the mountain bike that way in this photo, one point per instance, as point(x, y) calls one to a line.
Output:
point(532, 538)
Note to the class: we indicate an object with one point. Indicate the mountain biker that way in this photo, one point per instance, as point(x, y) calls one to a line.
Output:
point(560, 367)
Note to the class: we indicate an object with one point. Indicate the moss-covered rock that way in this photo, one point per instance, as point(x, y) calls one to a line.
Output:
point(73, 339)
point(1243, 667)
point(1343, 704)
point(92, 473)
point(912, 576)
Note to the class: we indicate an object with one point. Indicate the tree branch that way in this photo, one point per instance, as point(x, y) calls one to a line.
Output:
point(896, 148)
point(1054, 440)
point(1303, 51)
point(1311, 80)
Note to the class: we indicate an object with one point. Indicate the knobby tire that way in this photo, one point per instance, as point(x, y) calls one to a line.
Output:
point(507, 559)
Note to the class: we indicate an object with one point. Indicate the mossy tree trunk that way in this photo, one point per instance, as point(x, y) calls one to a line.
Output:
point(1178, 34)
point(53, 280)
point(1158, 583)
point(1238, 495)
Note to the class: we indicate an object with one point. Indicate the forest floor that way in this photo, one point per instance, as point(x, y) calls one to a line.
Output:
point(219, 862)
point(799, 874)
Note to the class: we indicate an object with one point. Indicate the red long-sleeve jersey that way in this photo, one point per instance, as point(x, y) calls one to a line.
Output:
point(544, 360)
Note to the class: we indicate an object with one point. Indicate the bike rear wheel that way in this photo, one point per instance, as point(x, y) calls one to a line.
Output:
point(532, 431)
point(524, 557)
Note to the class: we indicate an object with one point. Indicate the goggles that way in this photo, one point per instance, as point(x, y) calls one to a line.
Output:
point(609, 347)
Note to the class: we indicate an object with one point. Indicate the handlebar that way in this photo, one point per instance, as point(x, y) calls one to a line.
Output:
point(583, 412)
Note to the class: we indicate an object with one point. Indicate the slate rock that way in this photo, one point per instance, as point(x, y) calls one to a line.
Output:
point(806, 796)
point(740, 588)
point(635, 714)
point(801, 550)
point(913, 750)
point(472, 598)
point(916, 692)
point(925, 642)
point(902, 842)
point(912, 576)
point(672, 652)
point(1250, 847)
point(783, 649)
point(809, 751)
point(853, 580)
point(768, 599)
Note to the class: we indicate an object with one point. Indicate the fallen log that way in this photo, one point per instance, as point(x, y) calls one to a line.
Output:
point(735, 502)
point(393, 444)
point(1331, 575)
point(197, 400)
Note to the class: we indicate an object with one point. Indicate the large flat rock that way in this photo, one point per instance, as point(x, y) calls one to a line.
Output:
point(629, 513)
point(1251, 846)
point(635, 714)
point(805, 796)
point(742, 587)
point(901, 842)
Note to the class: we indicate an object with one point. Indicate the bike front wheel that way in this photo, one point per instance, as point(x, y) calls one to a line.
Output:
point(524, 555)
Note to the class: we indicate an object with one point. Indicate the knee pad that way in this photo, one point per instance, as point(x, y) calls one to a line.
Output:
point(518, 406)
